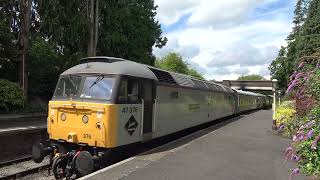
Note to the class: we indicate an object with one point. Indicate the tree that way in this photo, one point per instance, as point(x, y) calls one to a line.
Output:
point(7, 48)
point(129, 30)
point(196, 74)
point(279, 68)
point(46, 67)
point(65, 24)
point(251, 77)
point(175, 63)
point(309, 37)
point(54, 35)
point(93, 15)
point(23, 41)
point(284, 65)
point(300, 13)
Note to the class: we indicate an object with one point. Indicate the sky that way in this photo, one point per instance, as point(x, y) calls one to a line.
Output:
point(224, 39)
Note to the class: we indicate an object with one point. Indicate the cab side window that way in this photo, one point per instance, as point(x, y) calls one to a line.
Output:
point(129, 91)
point(133, 90)
point(123, 95)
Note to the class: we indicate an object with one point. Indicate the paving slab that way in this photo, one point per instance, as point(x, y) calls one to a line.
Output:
point(242, 148)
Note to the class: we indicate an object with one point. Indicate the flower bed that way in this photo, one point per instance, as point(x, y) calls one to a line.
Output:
point(299, 119)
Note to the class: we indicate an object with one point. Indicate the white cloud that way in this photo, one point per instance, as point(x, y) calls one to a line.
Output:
point(187, 51)
point(243, 54)
point(221, 39)
point(221, 13)
point(170, 12)
point(242, 71)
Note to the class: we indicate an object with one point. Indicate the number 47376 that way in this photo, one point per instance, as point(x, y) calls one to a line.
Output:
point(130, 110)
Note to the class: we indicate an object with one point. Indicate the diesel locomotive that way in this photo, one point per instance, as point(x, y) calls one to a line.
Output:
point(105, 103)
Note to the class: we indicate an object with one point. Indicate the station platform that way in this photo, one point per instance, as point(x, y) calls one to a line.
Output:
point(243, 148)
point(16, 123)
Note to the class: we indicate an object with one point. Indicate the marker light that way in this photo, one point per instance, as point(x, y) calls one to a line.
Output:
point(85, 119)
point(63, 117)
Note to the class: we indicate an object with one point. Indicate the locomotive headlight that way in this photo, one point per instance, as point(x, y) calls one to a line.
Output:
point(63, 117)
point(69, 138)
point(85, 119)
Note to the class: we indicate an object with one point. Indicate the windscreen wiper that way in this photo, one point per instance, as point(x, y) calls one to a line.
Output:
point(70, 79)
point(99, 78)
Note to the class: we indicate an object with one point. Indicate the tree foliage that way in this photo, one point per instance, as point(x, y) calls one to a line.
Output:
point(308, 40)
point(58, 33)
point(284, 65)
point(280, 68)
point(129, 30)
point(175, 63)
point(7, 48)
point(250, 77)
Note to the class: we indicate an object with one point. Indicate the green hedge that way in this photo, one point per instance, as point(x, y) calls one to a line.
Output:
point(11, 96)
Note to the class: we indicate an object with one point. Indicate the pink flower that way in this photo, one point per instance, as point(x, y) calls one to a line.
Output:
point(292, 76)
point(301, 74)
point(281, 128)
point(300, 135)
point(294, 138)
point(295, 158)
point(288, 153)
point(301, 65)
point(310, 124)
point(294, 172)
point(310, 134)
point(292, 85)
point(315, 143)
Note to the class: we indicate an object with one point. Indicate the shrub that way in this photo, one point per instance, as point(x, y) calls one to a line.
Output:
point(284, 116)
point(11, 96)
point(314, 85)
point(305, 145)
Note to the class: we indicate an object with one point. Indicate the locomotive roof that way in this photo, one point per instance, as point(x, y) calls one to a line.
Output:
point(106, 65)
point(111, 65)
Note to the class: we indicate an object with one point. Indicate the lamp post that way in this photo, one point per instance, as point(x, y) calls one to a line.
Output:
point(274, 89)
point(279, 97)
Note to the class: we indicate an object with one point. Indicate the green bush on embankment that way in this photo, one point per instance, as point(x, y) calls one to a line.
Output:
point(11, 96)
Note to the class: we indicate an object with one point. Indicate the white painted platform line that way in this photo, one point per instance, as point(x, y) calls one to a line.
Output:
point(107, 168)
point(19, 129)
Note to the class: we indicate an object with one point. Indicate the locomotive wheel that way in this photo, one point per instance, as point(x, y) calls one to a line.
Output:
point(59, 165)
point(38, 152)
point(84, 163)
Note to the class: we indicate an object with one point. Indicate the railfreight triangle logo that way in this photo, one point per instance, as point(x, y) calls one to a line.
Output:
point(131, 125)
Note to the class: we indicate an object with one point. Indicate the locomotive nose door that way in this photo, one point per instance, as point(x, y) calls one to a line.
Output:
point(147, 92)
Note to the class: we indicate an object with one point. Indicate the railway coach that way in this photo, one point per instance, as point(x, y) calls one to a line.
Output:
point(105, 103)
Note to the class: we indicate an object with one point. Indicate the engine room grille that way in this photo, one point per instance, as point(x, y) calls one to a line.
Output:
point(163, 76)
point(199, 84)
point(212, 86)
point(182, 80)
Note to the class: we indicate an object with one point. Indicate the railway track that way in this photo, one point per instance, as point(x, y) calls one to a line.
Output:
point(14, 161)
point(21, 167)
point(24, 173)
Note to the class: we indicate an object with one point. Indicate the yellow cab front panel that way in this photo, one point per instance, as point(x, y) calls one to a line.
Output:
point(94, 124)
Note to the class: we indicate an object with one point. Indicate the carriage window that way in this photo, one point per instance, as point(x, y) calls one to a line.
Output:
point(129, 91)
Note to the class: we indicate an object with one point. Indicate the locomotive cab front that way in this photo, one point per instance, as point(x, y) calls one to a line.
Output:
point(80, 109)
